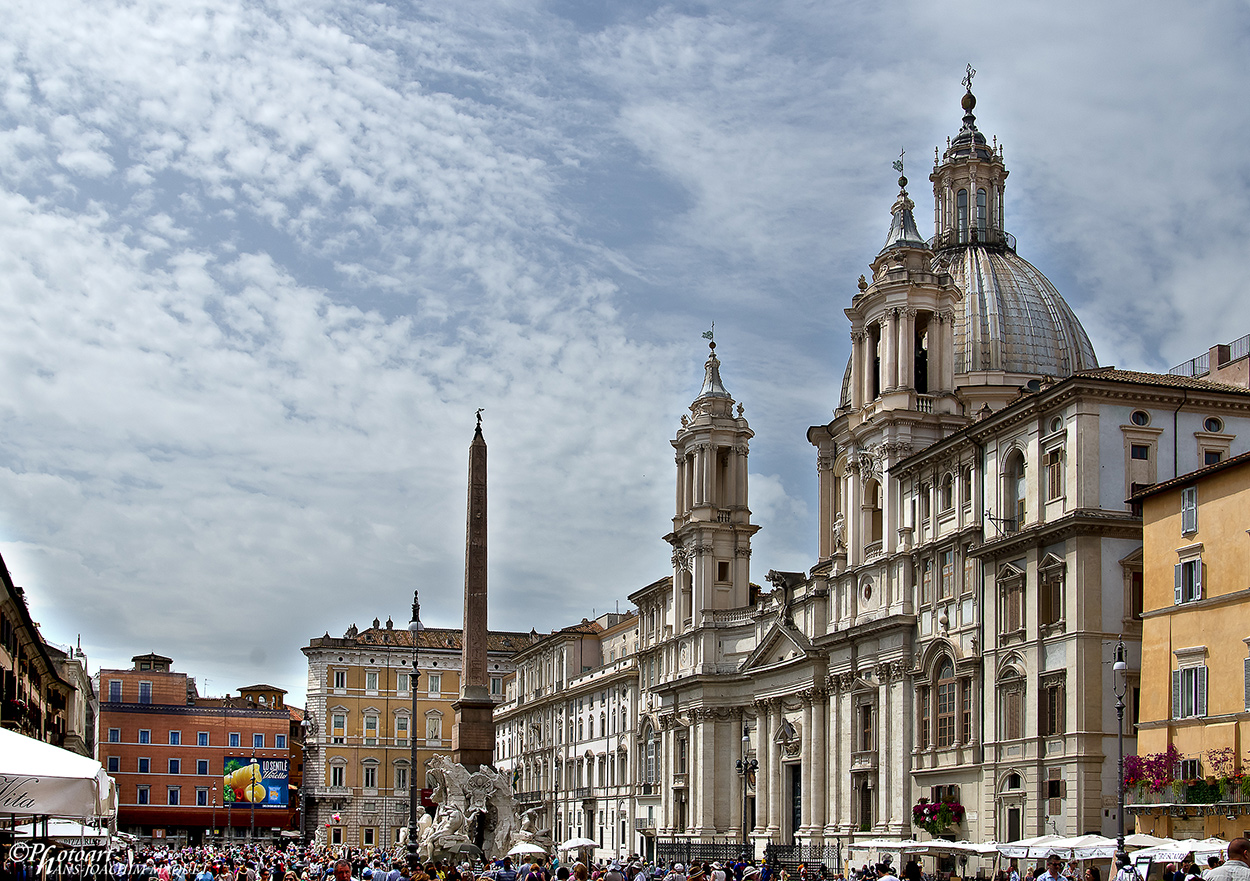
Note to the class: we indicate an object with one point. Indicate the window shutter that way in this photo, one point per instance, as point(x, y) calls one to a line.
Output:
point(1189, 509)
point(1176, 574)
point(1202, 691)
point(1198, 567)
point(1061, 714)
point(1176, 694)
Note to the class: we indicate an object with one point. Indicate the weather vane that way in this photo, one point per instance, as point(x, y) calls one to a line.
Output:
point(479, 416)
point(967, 80)
point(898, 163)
point(710, 334)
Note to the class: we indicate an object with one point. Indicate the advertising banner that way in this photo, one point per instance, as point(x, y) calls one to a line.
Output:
point(259, 782)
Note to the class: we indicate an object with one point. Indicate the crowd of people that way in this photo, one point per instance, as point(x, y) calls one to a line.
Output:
point(318, 863)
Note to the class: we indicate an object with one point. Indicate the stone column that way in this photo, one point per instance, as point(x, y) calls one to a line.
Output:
point(890, 349)
point(774, 763)
point(820, 758)
point(857, 369)
point(681, 484)
point(763, 775)
point(808, 759)
point(948, 345)
point(907, 351)
point(839, 744)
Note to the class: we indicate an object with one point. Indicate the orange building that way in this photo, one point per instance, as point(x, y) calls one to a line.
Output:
point(179, 758)
point(1195, 677)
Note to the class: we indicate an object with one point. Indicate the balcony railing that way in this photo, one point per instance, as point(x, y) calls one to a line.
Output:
point(924, 403)
point(1191, 792)
point(973, 235)
point(872, 549)
point(582, 792)
point(531, 797)
point(643, 823)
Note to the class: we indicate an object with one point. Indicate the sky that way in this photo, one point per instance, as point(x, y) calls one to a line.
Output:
point(261, 262)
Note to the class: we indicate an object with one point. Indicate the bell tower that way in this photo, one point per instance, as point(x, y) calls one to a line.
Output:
point(712, 527)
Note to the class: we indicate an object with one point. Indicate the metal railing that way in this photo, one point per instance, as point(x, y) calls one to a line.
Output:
point(992, 236)
point(700, 850)
point(790, 856)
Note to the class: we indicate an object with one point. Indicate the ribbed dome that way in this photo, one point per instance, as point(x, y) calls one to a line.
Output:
point(1012, 318)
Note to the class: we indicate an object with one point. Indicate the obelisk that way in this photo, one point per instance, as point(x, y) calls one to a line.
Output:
point(473, 734)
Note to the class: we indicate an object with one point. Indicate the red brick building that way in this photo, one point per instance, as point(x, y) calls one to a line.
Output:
point(171, 750)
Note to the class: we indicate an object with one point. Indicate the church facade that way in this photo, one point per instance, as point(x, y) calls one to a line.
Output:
point(978, 561)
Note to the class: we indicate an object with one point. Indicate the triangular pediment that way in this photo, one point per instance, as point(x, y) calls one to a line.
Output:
point(781, 645)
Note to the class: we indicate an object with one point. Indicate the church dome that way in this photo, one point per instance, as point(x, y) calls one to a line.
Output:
point(1012, 318)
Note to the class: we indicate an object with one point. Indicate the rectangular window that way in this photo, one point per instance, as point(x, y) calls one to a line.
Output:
point(279, 741)
point(401, 730)
point(175, 738)
point(336, 835)
point(336, 775)
point(722, 570)
point(371, 682)
point(1139, 451)
point(1013, 704)
point(368, 836)
point(1189, 692)
point(925, 720)
point(175, 766)
point(371, 776)
point(946, 714)
point(1191, 769)
point(401, 683)
point(965, 713)
point(115, 735)
point(947, 559)
point(234, 739)
point(1053, 710)
point(435, 681)
point(371, 730)
point(1015, 605)
point(401, 779)
point(683, 751)
point(145, 692)
point(338, 728)
point(115, 691)
point(201, 739)
point(1188, 581)
point(175, 794)
point(1051, 600)
point(1212, 457)
point(496, 686)
point(1054, 475)
point(115, 764)
point(1189, 510)
point(258, 741)
point(434, 728)
point(145, 765)
point(142, 795)
point(201, 767)
point(201, 796)
point(145, 735)
point(340, 680)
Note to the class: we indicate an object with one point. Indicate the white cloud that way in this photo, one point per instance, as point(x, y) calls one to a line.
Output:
point(262, 264)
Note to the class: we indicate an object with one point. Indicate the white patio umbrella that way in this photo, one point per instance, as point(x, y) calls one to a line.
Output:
point(578, 843)
point(43, 780)
point(1142, 839)
point(526, 848)
point(1027, 848)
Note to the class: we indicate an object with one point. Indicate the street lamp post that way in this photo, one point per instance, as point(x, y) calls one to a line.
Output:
point(414, 794)
point(1120, 687)
point(229, 814)
point(213, 831)
point(745, 769)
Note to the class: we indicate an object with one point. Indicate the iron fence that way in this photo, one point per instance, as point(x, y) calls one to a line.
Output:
point(816, 857)
point(700, 850)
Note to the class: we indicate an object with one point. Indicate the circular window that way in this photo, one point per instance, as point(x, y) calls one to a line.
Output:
point(1213, 425)
point(1140, 417)
point(868, 591)
point(1055, 424)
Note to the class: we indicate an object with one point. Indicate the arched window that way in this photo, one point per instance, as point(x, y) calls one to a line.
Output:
point(982, 213)
point(1011, 704)
point(872, 510)
point(946, 688)
point(948, 492)
point(961, 214)
point(1014, 492)
point(650, 752)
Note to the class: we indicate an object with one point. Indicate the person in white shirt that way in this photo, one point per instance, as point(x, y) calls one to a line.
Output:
point(1237, 866)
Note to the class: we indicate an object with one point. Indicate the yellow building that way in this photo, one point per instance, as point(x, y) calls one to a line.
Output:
point(360, 714)
point(1195, 673)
